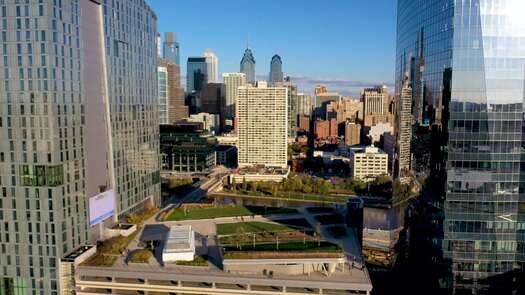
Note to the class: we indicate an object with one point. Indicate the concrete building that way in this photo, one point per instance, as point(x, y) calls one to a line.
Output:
point(171, 48)
point(368, 162)
point(325, 129)
point(248, 66)
point(196, 74)
point(232, 81)
point(345, 109)
point(375, 100)
point(179, 244)
point(320, 89)
point(262, 125)
point(212, 66)
point(226, 155)
point(171, 93)
point(404, 132)
point(210, 122)
point(276, 70)
point(352, 133)
point(64, 115)
point(325, 97)
point(375, 132)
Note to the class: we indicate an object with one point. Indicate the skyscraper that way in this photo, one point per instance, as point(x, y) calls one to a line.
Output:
point(304, 104)
point(263, 125)
point(171, 94)
point(197, 74)
point(171, 48)
point(74, 120)
point(212, 63)
point(293, 105)
point(276, 70)
point(248, 66)
point(232, 81)
point(473, 86)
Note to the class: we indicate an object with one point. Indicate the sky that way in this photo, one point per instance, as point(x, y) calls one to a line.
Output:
point(344, 44)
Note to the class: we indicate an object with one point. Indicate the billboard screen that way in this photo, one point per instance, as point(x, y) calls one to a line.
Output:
point(101, 207)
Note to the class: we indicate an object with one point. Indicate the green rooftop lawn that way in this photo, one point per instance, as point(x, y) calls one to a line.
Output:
point(291, 249)
point(222, 211)
point(197, 261)
point(250, 227)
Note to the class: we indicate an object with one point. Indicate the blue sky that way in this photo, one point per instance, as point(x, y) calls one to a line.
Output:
point(345, 44)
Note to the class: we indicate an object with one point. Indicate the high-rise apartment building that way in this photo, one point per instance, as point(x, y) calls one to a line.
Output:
point(171, 48)
point(262, 126)
point(212, 63)
point(196, 74)
point(319, 89)
point(473, 85)
point(171, 94)
point(75, 119)
point(248, 66)
point(404, 131)
point(276, 70)
point(232, 81)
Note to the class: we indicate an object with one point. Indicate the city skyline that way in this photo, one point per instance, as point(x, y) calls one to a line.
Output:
point(354, 55)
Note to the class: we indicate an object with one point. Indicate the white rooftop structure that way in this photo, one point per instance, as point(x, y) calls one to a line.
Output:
point(179, 244)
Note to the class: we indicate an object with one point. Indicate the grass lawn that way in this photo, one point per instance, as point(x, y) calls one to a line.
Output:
point(249, 227)
point(223, 211)
point(332, 199)
point(141, 256)
point(309, 246)
point(197, 261)
point(286, 250)
point(100, 260)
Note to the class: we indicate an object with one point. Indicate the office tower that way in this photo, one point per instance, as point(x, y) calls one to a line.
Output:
point(212, 63)
point(171, 48)
point(69, 128)
point(404, 131)
point(473, 84)
point(248, 66)
point(213, 101)
point(276, 70)
point(375, 100)
point(262, 126)
point(368, 163)
point(232, 81)
point(197, 74)
point(304, 104)
point(292, 105)
point(159, 46)
point(171, 94)
point(319, 89)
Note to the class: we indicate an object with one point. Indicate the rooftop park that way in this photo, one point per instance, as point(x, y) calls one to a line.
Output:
point(208, 211)
point(334, 190)
point(259, 240)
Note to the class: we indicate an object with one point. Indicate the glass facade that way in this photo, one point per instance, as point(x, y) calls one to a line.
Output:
point(466, 59)
point(163, 95)
point(276, 70)
point(48, 52)
point(248, 66)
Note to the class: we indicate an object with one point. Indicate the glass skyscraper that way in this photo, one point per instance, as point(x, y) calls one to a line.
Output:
point(171, 48)
point(248, 66)
point(196, 74)
point(276, 70)
point(466, 60)
point(78, 113)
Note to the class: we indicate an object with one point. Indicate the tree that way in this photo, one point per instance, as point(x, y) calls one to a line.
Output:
point(234, 185)
point(244, 184)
